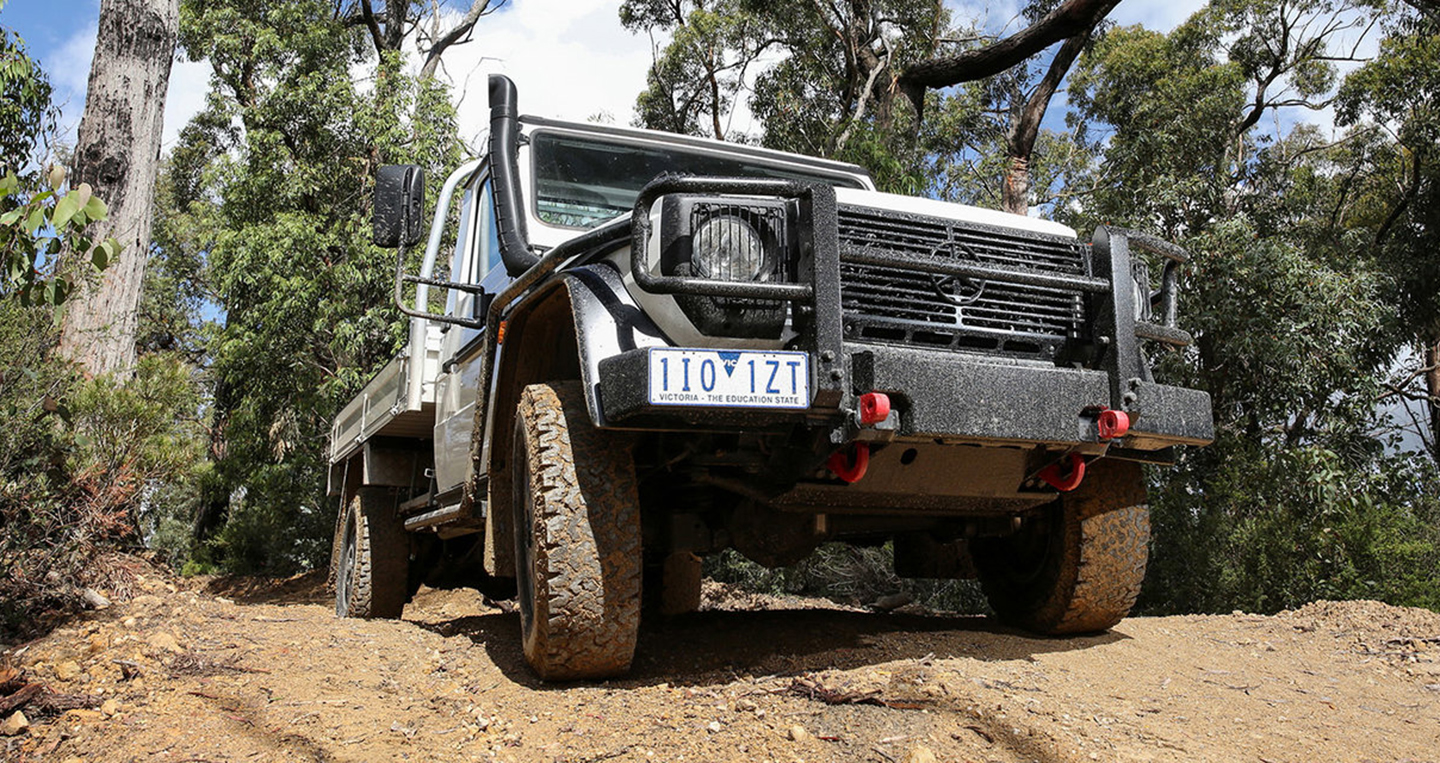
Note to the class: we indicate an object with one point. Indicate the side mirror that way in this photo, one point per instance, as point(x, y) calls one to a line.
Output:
point(399, 205)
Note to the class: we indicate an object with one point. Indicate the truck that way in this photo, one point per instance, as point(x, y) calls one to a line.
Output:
point(652, 348)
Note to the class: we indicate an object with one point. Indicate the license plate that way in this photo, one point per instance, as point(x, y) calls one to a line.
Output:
point(732, 379)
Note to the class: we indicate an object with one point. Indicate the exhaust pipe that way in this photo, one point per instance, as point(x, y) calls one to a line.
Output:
point(505, 177)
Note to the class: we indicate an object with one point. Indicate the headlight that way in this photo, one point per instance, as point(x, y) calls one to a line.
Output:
point(727, 248)
point(728, 238)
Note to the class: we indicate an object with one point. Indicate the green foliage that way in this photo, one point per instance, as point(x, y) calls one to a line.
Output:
point(36, 226)
point(266, 213)
point(1297, 320)
point(1245, 526)
point(26, 113)
point(80, 461)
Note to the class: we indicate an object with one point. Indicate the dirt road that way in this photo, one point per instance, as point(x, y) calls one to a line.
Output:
point(264, 672)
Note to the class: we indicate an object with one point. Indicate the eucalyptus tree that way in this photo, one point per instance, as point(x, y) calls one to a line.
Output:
point(271, 183)
point(115, 156)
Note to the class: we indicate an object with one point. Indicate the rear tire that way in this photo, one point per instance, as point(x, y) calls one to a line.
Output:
point(1078, 567)
point(371, 571)
point(577, 538)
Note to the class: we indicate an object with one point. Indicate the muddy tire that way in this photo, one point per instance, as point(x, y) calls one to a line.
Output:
point(371, 569)
point(1077, 567)
point(577, 538)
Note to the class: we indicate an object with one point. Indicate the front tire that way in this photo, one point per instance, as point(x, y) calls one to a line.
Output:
point(577, 538)
point(1077, 568)
point(372, 566)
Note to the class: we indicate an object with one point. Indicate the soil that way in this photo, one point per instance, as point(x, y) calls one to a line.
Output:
point(259, 670)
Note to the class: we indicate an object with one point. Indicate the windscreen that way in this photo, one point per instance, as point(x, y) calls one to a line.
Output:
point(582, 181)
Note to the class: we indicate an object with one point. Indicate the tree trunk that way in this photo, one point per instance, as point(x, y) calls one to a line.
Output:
point(1021, 143)
point(1069, 19)
point(117, 152)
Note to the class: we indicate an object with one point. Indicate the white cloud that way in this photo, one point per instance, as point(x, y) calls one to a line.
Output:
point(69, 70)
point(570, 59)
point(189, 82)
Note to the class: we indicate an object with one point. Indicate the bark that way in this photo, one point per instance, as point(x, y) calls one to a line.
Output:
point(117, 152)
point(1021, 143)
point(1070, 18)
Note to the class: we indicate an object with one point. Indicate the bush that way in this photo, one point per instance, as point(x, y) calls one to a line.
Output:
point(1243, 526)
point(81, 463)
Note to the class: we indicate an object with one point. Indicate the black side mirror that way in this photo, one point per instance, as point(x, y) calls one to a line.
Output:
point(399, 205)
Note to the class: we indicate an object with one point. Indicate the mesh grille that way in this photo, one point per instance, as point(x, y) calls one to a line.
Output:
point(903, 306)
point(749, 240)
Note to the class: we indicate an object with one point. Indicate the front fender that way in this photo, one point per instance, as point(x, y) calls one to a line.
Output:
point(563, 330)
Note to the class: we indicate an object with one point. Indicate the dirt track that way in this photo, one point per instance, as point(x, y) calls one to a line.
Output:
point(256, 672)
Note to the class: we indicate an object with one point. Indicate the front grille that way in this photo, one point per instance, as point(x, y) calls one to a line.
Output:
point(899, 305)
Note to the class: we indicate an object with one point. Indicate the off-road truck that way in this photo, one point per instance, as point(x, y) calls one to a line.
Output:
point(654, 347)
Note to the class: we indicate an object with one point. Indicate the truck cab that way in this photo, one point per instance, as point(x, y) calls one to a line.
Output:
point(632, 349)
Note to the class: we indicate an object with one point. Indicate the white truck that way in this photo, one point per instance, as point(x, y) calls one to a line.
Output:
point(655, 347)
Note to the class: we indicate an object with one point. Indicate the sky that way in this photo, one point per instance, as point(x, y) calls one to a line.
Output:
point(570, 59)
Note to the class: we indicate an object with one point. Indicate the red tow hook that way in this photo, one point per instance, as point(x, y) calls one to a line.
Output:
point(1112, 424)
point(1067, 482)
point(874, 407)
point(850, 469)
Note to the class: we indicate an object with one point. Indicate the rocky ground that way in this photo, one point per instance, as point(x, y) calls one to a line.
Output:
point(263, 671)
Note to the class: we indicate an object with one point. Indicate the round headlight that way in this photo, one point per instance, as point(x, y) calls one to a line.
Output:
point(727, 248)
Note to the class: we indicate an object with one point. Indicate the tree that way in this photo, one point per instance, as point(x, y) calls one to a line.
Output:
point(271, 182)
point(1296, 320)
point(1399, 92)
point(26, 113)
point(117, 154)
point(838, 69)
point(391, 23)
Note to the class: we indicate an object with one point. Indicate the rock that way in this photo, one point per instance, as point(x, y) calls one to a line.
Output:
point(919, 754)
point(67, 671)
point(98, 642)
point(165, 641)
point(15, 724)
point(893, 601)
point(109, 707)
point(713, 727)
point(745, 705)
point(797, 733)
point(93, 598)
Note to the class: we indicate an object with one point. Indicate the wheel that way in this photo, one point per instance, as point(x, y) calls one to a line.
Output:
point(680, 578)
point(371, 572)
point(578, 558)
point(1076, 568)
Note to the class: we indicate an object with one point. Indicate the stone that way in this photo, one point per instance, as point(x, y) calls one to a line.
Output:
point(67, 670)
point(713, 727)
point(98, 642)
point(109, 707)
point(93, 598)
point(893, 601)
point(165, 641)
point(919, 754)
point(745, 705)
point(15, 724)
point(797, 733)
